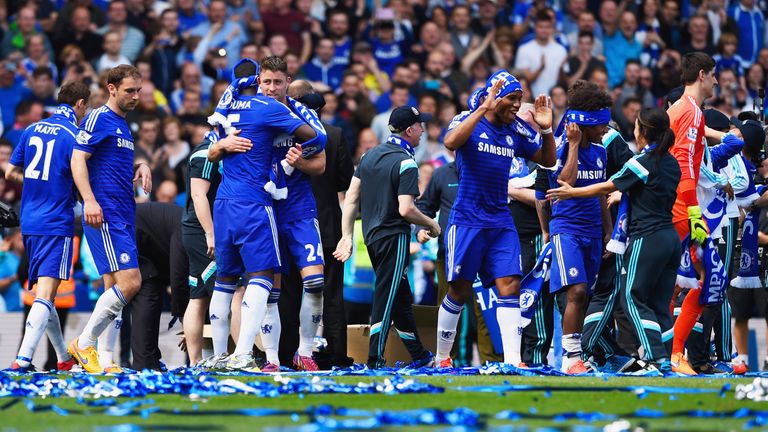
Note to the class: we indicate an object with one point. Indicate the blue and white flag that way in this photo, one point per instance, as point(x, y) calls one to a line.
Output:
point(532, 283)
point(715, 276)
point(219, 118)
point(686, 274)
point(620, 235)
point(749, 264)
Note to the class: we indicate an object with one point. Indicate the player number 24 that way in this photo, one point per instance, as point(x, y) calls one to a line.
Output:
point(32, 172)
point(313, 253)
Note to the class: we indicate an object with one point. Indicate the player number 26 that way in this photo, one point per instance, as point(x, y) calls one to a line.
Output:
point(313, 253)
point(32, 172)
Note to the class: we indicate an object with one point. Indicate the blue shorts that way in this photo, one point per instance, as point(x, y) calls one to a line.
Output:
point(300, 243)
point(113, 246)
point(576, 260)
point(49, 256)
point(246, 238)
point(490, 252)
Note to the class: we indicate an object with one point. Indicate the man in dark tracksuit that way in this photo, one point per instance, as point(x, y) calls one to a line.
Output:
point(162, 262)
point(325, 188)
point(385, 185)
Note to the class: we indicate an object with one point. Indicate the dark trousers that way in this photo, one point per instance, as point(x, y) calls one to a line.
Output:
point(648, 282)
point(334, 316)
point(596, 338)
point(716, 318)
point(52, 360)
point(392, 299)
point(537, 336)
point(145, 323)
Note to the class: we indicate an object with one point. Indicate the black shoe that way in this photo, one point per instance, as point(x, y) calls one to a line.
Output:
point(708, 369)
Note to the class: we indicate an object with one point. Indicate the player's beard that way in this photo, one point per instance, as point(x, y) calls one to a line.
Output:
point(127, 106)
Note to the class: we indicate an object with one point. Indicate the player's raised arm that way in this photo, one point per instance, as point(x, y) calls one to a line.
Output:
point(458, 135)
point(91, 209)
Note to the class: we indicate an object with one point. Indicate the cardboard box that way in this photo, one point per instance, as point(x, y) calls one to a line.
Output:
point(426, 323)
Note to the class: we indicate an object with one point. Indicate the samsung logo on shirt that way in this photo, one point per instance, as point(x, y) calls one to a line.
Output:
point(494, 149)
point(47, 129)
point(125, 143)
point(590, 175)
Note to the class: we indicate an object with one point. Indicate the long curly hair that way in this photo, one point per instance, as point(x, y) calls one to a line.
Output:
point(587, 96)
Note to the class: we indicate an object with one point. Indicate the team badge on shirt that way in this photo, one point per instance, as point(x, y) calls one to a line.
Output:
point(573, 272)
point(599, 163)
point(124, 258)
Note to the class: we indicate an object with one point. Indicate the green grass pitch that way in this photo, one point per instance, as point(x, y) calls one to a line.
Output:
point(19, 418)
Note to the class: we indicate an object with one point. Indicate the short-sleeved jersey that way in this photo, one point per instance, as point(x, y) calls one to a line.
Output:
point(484, 163)
point(44, 153)
point(687, 122)
point(261, 119)
point(385, 172)
point(107, 137)
point(580, 216)
point(201, 168)
point(651, 182)
point(300, 202)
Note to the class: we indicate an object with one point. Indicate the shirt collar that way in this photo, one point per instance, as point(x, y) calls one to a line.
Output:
point(66, 111)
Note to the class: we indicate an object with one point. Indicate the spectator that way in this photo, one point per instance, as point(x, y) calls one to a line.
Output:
point(540, 59)
point(329, 114)
point(249, 50)
point(698, 29)
point(11, 93)
point(189, 15)
point(146, 138)
point(452, 72)
point(620, 46)
point(322, 68)
point(148, 106)
point(191, 112)
point(574, 10)
point(354, 105)
point(762, 59)
point(79, 33)
point(608, 14)
point(75, 65)
point(751, 24)
point(64, 20)
point(485, 22)
point(599, 76)
point(648, 33)
point(631, 87)
point(191, 79)
point(166, 192)
point(430, 38)
point(440, 18)
point(366, 140)
point(367, 68)
point(11, 250)
point(10, 192)
point(402, 74)
point(434, 79)
point(559, 103)
point(582, 63)
point(646, 81)
point(398, 97)
point(247, 14)
point(292, 24)
point(39, 54)
point(462, 37)
point(172, 156)
point(163, 50)
point(338, 31)
point(586, 24)
point(386, 50)
point(19, 32)
point(627, 116)
point(216, 65)
point(112, 56)
point(755, 80)
point(278, 45)
point(131, 37)
point(671, 27)
point(524, 16)
point(732, 95)
point(727, 58)
point(145, 69)
point(27, 112)
point(219, 33)
point(719, 21)
point(43, 89)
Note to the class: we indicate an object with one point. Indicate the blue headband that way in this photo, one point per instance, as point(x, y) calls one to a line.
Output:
point(589, 118)
point(511, 84)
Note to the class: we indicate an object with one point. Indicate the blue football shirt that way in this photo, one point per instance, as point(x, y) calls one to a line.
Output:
point(580, 216)
point(44, 153)
point(260, 119)
point(484, 163)
point(106, 136)
point(300, 202)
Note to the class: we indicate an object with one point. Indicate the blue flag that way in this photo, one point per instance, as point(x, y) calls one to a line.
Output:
point(686, 274)
point(749, 264)
point(532, 283)
point(715, 277)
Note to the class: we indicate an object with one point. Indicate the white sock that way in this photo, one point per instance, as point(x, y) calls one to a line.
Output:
point(53, 330)
point(218, 313)
point(37, 321)
point(271, 328)
point(741, 359)
point(447, 320)
point(254, 307)
point(108, 307)
point(571, 350)
point(508, 317)
point(311, 313)
point(107, 340)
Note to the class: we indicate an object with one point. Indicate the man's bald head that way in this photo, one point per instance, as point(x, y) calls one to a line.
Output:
point(300, 88)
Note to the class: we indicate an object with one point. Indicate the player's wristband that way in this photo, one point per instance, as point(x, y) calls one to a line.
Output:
point(547, 131)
